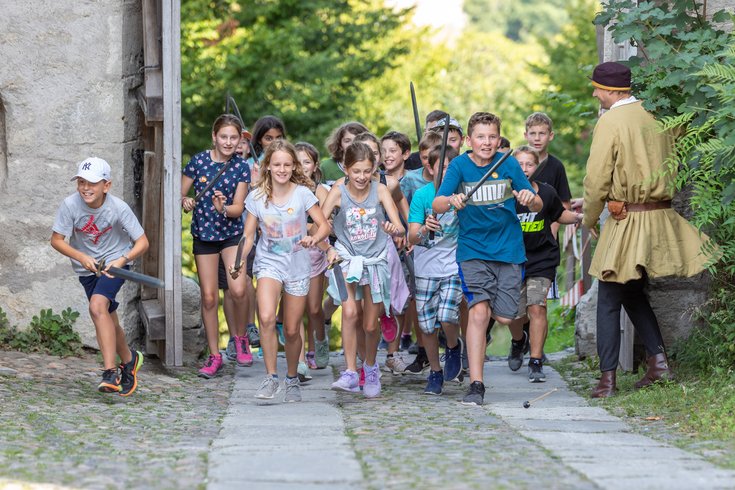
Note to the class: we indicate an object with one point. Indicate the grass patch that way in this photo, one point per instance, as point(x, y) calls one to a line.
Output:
point(696, 412)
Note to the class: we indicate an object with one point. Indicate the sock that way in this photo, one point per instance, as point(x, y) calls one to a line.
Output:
point(274, 376)
point(290, 377)
point(388, 356)
point(422, 351)
point(535, 360)
point(405, 335)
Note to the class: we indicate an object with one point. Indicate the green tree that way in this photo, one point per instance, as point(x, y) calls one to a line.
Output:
point(566, 98)
point(519, 19)
point(477, 71)
point(298, 60)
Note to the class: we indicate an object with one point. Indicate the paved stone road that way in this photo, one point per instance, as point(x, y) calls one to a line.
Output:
point(56, 428)
point(182, 432)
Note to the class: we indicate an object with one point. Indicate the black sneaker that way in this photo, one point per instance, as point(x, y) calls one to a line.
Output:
point(110, 382)
point(536, 371)
point(475, 394)
point(253, 335)
point(419, 365)
point(434, 383)
point(129, 374)
point(405, 342)
point(515, 357)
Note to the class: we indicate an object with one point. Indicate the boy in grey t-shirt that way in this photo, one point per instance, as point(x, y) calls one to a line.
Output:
point(99, 226)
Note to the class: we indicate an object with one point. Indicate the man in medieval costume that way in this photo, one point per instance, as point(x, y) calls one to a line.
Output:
point(644, 237)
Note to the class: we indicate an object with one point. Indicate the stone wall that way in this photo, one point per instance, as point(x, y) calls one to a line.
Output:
point(66, 92)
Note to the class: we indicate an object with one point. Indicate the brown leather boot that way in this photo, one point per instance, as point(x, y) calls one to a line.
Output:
point(606, 387)
point(658, 370)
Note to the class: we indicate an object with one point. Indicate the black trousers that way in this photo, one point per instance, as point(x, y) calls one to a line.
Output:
point(631, 295)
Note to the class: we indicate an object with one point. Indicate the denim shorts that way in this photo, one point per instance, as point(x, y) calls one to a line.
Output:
point(498, 283)
point(103, 285)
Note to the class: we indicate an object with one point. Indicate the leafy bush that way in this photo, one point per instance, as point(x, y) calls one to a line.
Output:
point(48, 332)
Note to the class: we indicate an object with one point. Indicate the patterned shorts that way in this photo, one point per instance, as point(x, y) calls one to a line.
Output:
point(533, 292)
point(299, 287)
point(437, 300)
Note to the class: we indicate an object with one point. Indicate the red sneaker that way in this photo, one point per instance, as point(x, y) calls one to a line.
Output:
point(211, 367)
point(242, 347)
point(389, 328)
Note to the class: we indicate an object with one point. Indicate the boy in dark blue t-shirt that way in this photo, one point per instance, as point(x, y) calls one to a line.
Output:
point(490, 250)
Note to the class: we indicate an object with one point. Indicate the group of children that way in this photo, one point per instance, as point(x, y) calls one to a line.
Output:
point(395, 237)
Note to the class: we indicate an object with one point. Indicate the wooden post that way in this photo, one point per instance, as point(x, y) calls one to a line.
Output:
point(151, 218)
point(171, 62)
point(627, 338)
point(585, 260)
point(570, 265)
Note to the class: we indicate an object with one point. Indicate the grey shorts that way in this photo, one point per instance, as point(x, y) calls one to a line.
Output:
point(534, 291)
point(498, 283)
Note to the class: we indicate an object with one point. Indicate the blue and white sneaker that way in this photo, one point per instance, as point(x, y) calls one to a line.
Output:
point(434, 383)
point(453, 361)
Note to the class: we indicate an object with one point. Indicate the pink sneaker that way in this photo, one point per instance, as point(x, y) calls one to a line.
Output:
point(242, 346)
point(310, 360)
point(212, 366)
point(389, 327)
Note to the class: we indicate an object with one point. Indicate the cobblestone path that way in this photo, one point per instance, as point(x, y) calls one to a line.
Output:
point(56, 428)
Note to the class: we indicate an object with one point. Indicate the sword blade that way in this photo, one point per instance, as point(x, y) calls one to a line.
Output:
point(214, 180)
point(442, 155)
point(238, 254)
point(231, 101)
point(339, 279)
point(411, 272)
point(416, 119)
point(129, 275)
point(487, 176)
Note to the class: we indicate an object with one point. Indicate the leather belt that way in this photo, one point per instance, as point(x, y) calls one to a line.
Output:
point(619, 210)
point(648, 206)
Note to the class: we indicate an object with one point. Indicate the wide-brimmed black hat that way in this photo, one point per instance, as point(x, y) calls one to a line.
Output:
point(611, 76)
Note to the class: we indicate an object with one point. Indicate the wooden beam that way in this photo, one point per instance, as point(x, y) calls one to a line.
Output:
point(627, 339)
point(152, 201)
point(151, 96)
point(171, 62)
point(154, 319)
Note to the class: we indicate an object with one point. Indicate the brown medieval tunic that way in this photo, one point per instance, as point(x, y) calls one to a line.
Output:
point(626, 163)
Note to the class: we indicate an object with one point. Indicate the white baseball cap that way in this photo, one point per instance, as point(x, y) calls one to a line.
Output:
point(93, 170)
